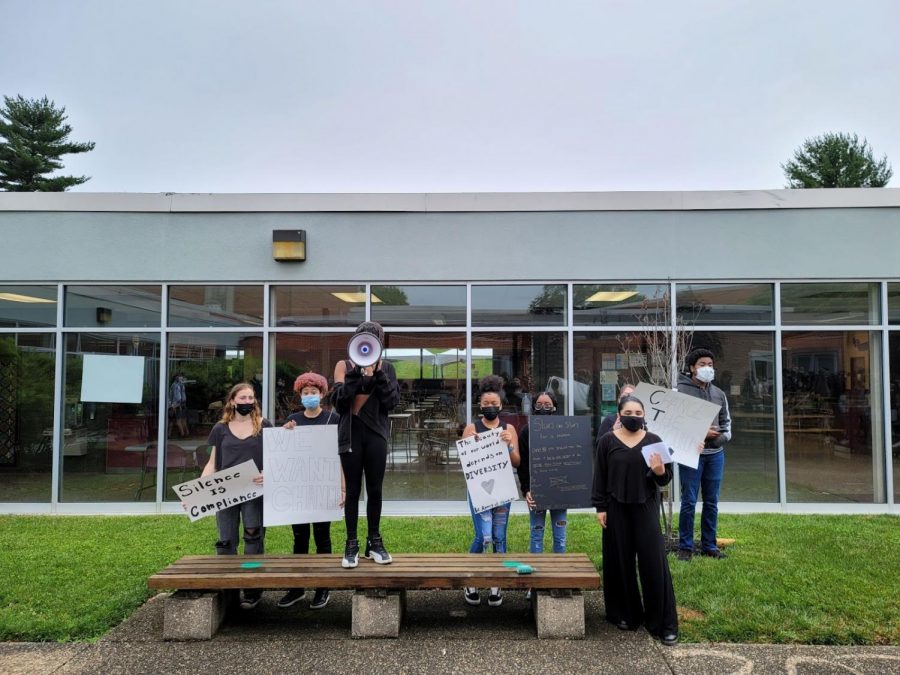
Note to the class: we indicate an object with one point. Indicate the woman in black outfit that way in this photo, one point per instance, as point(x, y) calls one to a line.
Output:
point(363, 397)
point(626, 496)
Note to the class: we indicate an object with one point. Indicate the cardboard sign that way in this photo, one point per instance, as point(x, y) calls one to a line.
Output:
point(303, 475)
point(488, 470)
point(205, 496)
point(681, 421)
point(560, 461)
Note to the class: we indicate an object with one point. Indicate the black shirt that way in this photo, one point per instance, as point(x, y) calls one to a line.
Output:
point(231, 450)
point(621, 474)
point(324, 417)
point(384, 394)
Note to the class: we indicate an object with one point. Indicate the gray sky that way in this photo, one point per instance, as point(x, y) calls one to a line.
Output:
point(453, 95)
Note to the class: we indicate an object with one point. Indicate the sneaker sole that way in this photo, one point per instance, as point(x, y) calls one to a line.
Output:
point(320, 605)
point(495, 604)
point(472, 603)
point(348, 565)
point(249, 605)
point(285, 605)
point(380, 561)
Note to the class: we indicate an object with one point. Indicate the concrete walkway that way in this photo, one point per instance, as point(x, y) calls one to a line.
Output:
point(440, 635)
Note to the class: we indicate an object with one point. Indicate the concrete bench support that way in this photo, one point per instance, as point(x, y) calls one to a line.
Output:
point(559, 614)
point(377, 613)
point(193, 615)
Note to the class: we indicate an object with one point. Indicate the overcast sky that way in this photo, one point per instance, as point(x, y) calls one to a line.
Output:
point(453, 95)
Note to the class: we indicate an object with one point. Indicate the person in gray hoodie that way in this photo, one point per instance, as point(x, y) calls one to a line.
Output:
point(707, 477)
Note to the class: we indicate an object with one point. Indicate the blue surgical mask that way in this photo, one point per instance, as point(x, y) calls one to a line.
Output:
point(311, 401)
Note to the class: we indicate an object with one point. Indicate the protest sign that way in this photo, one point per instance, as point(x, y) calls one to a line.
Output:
point(560, 461)
point(488, 470)
point(209, 494)
point(303, 475)
point(681, 421)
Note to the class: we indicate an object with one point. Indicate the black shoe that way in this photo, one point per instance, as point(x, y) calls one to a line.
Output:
point(684, 554)
point(495, 599)
point(320, 599)
point(669, 639)
point(472, 597)
point(623, 625)
point(251, 599)
point(376, 551)
point(715, 553)
point(351, 554)
point(292, 597)
point(528, 595)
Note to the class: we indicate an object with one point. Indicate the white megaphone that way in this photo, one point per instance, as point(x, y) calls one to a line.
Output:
point(364, 350)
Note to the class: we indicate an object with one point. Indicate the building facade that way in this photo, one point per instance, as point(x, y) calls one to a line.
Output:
point(106, 298)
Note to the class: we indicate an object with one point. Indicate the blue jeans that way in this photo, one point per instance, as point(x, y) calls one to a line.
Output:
point(706, 478)
point(490, 529)
point(557, 522)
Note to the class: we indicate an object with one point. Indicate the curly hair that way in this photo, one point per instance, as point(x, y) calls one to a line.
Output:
point(696, 355)
point(311, 379)
point(491, 384)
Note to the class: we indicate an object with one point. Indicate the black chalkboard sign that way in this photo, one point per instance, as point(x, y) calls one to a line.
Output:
point(561, 461)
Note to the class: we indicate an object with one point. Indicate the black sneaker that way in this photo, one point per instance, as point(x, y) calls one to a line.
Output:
point(292, 597)
point(351, 554)
point(715, 553)
point(251, 599)
point(495, 599)
point(472, 596)
point(376, 551)
point(669, 639)
point(320, 599)
point(684, 554)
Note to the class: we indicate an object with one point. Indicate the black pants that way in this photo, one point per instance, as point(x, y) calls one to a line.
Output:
point(368, 454)
point(321, 533)
point(633, 533)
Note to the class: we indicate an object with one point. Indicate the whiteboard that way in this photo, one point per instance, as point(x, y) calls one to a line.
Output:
point(109, 378)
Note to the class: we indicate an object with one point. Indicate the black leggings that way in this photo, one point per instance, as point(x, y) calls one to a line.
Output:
point(321, 533)
point(368, 453)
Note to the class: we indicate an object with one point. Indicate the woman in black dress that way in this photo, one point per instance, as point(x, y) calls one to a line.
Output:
point(626, 496)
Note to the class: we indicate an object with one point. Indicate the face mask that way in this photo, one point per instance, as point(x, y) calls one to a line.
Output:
point(632, 423)
point(544, 411)
point(490, 412)
point(245, 408)
point(311, 401)
point(706, 374)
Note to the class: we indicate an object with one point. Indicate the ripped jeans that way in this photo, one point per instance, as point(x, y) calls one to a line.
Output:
point(538, 523)
point(228, 521)
point(490, 529)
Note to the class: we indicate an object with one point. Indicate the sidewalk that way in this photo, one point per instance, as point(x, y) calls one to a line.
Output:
point(440, 635)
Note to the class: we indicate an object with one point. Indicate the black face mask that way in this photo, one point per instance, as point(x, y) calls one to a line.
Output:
point(543, 411)
point(490, 412)
point(245, 408)
point(632, 423)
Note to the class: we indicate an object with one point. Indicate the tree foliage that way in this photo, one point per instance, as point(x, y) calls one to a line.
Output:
point(836, 161)
point(34, 136)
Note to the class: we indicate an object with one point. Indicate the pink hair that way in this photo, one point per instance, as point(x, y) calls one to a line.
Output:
point(311, 380)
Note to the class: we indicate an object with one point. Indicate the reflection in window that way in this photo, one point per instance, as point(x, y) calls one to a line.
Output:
point(27, 306)
point(215, 305)
point(26, 416)
point(895, 411)
point(725, 304)
point(318, 305)
point(419, 305)
point(519, 305)
point(832, 412)
point(620, 304)
point(113, 306)
point(836, 303)
point(297, 353)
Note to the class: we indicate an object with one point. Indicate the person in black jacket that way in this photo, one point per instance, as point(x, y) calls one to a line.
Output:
point(363, 397)
point(626, 496)
point(611, 421)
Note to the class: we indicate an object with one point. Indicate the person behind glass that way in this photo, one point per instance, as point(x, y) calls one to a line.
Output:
point(707, 477)
point(236, 438)
point(611, 421)
point(178, 405)
point(626, 495)
point(490, 525)
point(312, 388)
point(363, 397)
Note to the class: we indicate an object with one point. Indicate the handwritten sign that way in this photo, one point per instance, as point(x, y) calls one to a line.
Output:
point(560, 456)
point(303, 475)
point(488, 470)
point(678, 419)
point(205, 496)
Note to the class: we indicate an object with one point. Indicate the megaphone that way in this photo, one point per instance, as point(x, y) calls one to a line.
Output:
point(364, 350)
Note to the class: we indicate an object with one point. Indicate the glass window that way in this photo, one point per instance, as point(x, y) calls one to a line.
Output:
point(419, 305)
point(519, 305)
point(215, 305)
point(27, 374)
point(620, 304)
point(893, 303)
point(725, 304)
point(832, 413)
point(297, 353)
point(113, 306)
point(895, 411)
point(838, 303)
point(110, 417)
point(318, 305)
point(27, 306)
point(202, 369)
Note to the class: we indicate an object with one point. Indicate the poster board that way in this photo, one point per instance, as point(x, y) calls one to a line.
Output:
point(560, 461)
point(488, 470)
point(303, 475)
point(205, 496)
point(110, 378)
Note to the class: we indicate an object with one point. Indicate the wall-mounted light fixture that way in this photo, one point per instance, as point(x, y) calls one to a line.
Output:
point(289, 245)
point(104, 315)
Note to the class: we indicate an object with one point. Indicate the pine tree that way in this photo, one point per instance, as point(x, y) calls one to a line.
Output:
point(33, 136)
point(836, 161)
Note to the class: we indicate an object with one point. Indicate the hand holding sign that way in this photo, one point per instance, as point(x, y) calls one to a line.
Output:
point(208, 494)
point(488, 470)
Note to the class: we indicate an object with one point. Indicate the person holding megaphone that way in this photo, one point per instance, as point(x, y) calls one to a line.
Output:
point(365, 391)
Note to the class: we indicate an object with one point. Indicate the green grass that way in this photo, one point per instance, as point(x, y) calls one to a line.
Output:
point(788, 579)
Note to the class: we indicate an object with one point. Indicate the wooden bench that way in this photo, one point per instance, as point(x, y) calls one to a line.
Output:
point(204, 585)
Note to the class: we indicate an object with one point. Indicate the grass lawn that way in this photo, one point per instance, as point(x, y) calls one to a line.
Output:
point(788, 579)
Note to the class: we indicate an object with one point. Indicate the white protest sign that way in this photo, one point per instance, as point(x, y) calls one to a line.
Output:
point(303, 475)
point(488, 470)
point(681, 421)
point(217, 491)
